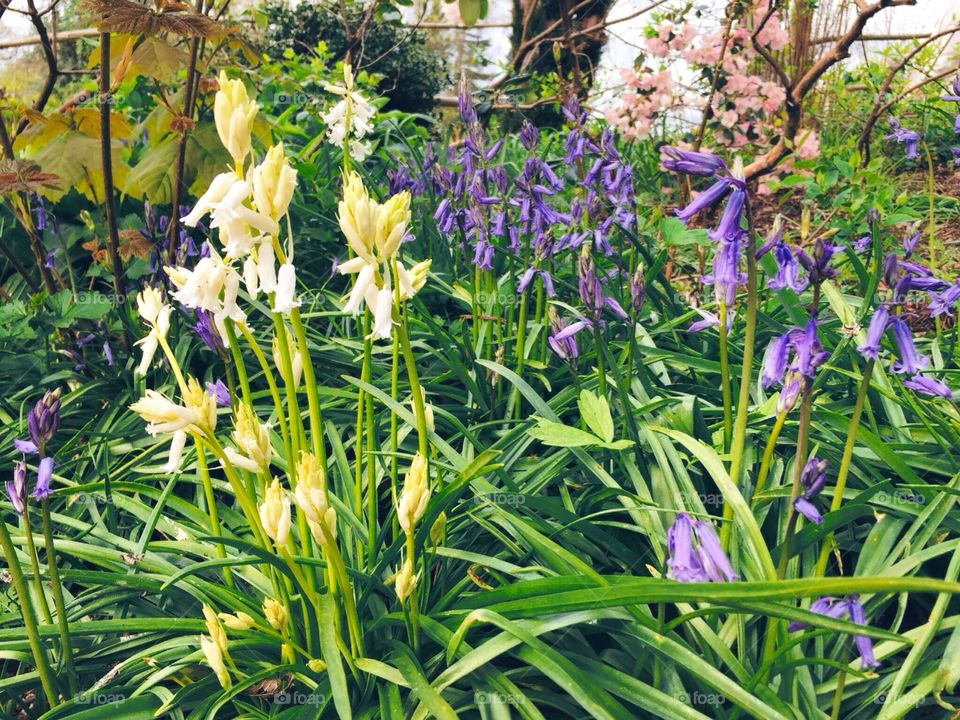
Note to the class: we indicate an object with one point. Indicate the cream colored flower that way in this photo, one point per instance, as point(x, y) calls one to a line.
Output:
point(198, 413)
point(177, 444)
point(275, 613)
point(233, 113)
point(214, 656)
point(349, 120)
point(415, 495)
point(238, 621)
point(214, 627)
point(273, 183)
point(285, 298)
point(405, 581)
point(275, 513)
point(296, 360)
point(252, 439)
point(156, 314)
point(311, 498)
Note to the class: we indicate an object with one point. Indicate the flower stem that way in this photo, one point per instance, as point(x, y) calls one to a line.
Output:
point(725, 378)
point(204, 473)
point(35, 568)
point(66, 645)
point(27, 612)
point(768, 456)
point(845, 463)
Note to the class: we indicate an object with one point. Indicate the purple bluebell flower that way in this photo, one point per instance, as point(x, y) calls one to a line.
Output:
point(808, 352)
point(793, 385)
point(562, 340)
point(873, 217)
point(891, 269)
point(910, 361)
point(707, 320)
point(826, 606)
point(27, 447)
point(49, 261)
point(878, 326)
point(704, 562)
point(219, 392)
point(956, 151)
point(929, 386)
point(529, 136)
point(688, 162)
point(818, 266)
point(942, 303)
point(638, 289)
point(709, 197)
point(863, 643)
point(42, 490)
point(465, 103)
point(910, 138)
point(17, 489)
point(108, 353)
point(862, 243)
point(788, 271)
point(775, 360)
point(910, 243)
point(714, 560)
point(726, 277)
point(44, 418)
point(206, 329)
point(813, 477)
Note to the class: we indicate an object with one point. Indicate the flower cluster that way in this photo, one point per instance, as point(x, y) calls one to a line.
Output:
point(350, 120)
point(700, 561)
point(43, 420)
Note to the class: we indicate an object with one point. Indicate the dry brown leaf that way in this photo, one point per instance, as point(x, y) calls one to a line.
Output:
point(127, 16)
point(25, 176)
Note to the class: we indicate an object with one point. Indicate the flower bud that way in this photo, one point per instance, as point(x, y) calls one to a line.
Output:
point(149, 304)
point(214, 656)
point(358, 215)
point(392, 224)
point(275, 613)
point(239, 621)
point(252, 438)
point(275, 513)
point(273, 183)
point(214, 627)
point(415, 495)
point(439, 529)
point(405, 581)
point(233, 113)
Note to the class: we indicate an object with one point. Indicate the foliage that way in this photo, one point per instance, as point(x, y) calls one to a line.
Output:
point(410, 75)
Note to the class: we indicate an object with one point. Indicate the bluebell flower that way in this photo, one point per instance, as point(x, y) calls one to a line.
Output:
point(42, 490)
point(708, 320)
point(219, 392)
point(788, 270)
point(809, 353)
point(910, 138)
point(910, 243)
point(726, 276)
point(206, 330)
point(27, 447)
point(910, 361)
point(956, 152)
point(689, 162)
point(813, 478)
point(529, 136)
point(818, 265)
point(775, 360)
point(17, 488)
point(863, 643)
point(44, 418)
point(703, 562)
point(929, 386)
point(942, 303)
point(826, 606)
point(876, 329)
point(862, 243)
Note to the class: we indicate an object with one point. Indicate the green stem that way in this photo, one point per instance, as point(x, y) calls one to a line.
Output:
point(35, 567)
point(845, 460)
point(274, 390)
point(27, 612)
point(725, 380)
point(57, 587)
point(768, 456)
point(310, 384)
point(204, 473)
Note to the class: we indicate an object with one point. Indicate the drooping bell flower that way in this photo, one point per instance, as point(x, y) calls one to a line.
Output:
point(17, 488)
point(689, 162)
point(812, 479)
point(219, 392)
point(942, 303)
point(909, 244)
point(818, 265)
point(878, 325)
point(929, 386)
point(41, 490)
point(863, 643)
point(909, 138)
point(826, 606)
point(732, 183)
point(954, 97)
point(726, 276)
point(910, 361)
point(788, 270)
point(775, 360)
point(809, 353)
point(704, 561)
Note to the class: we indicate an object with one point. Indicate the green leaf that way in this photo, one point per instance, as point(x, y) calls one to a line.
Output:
point(559, 435)
point(675, 233)
point(596, 413)
point(471, 11)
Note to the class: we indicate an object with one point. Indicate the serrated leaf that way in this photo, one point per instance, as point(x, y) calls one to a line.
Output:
point(157, 59)
point(595, 412)
point(560, 435)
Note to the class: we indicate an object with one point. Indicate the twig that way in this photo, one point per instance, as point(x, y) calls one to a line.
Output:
point(879, 108)
point(106, 156)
